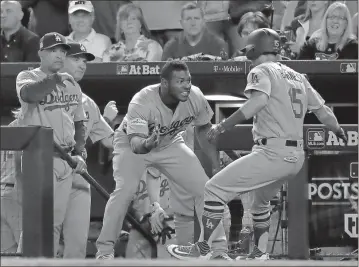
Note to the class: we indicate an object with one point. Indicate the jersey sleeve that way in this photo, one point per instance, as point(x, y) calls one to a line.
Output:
point(100, 128)
point(258, 80)
point(137, 119)
point(204, 111)
point(79, 114)
point(23, 78)
point(315, 101)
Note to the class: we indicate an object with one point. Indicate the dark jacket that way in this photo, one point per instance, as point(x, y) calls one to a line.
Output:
point(309, 51)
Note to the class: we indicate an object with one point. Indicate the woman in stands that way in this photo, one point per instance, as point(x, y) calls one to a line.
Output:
point(249, 22)
point(133, 38)
point(335, 39)
point(304, 25)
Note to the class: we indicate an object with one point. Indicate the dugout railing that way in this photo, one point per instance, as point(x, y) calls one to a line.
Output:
point(240, 138)
point(36, 144)
point(35, 185)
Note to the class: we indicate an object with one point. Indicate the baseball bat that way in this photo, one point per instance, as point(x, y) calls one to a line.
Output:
point(231, 154)
point(92, 181)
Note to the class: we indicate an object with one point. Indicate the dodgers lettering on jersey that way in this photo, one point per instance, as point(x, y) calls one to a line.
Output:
point(96, 126)
point(58, 110)
point(10, 162)
point(146, 110)
point(290, 97)
point(141, 202)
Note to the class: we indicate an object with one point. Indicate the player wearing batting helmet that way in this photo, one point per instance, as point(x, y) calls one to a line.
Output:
point(279, 98)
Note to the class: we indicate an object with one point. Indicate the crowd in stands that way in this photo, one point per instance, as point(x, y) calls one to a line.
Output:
point(117, 31)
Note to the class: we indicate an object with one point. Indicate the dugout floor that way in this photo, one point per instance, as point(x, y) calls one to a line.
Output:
point(172, 263)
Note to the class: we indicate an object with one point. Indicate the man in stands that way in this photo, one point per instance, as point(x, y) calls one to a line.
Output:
point(18, 44)
point(81, 19)
point(195, 37)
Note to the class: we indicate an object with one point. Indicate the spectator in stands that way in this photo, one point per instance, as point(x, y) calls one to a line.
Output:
point(218, 22)
point(248, 23)
point(355, 24)
point(304, 25)
point(133, 38)
point(195, 37)
point(81, 18)
point(18, 44)
point(335, 39)
point(48, 16)
point(106, 12)
point(162, 18)
point(238, 8)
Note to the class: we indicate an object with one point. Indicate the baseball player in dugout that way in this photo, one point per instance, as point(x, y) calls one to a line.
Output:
point(76, 224)
point(11, 212)
point(53, 99)
point(279, 98)
point(149, 137)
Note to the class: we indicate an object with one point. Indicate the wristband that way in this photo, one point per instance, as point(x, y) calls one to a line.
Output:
point(220, 127)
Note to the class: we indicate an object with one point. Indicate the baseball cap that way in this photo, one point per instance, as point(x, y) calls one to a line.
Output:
point(80, 5)
point(77, 49)
point(53, 39)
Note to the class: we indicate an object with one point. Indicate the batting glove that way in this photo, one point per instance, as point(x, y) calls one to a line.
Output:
point(110, 111)
point(341, 134)
point(157, 217)
point(167, 232)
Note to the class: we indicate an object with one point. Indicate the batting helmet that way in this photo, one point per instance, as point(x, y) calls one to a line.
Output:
point(260, 42)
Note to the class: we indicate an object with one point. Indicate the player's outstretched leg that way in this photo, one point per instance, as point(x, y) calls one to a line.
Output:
point(248, 173)
point(261, 219)
point(127, 169)
point(184, 171)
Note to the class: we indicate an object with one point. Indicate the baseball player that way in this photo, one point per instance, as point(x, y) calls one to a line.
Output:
point(11, 212)
point(279, 98)
point(77, 220)
point(53, 99)
point(148, 137)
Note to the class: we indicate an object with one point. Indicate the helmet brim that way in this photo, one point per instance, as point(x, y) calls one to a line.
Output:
point(247, 48)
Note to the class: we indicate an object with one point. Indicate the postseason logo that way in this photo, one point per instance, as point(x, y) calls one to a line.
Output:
point(328, 191)
point(351, 225)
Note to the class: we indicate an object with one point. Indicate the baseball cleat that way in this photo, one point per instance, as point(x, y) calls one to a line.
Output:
point(256, 254)
point(222, 256)
point(200, 250)
point(100, 256)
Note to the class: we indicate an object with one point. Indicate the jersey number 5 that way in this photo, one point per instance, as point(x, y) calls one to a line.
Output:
point(293, 94)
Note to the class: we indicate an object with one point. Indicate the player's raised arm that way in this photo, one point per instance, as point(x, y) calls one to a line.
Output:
point(324, 114)
point(258, 90)
point(32, 91)
point(202, 125)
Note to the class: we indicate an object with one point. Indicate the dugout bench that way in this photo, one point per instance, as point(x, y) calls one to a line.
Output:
point(318, 141)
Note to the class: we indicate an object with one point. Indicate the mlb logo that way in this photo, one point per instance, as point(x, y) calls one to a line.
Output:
point(315, 138)
point(354, 170)
point(348, 67)
point(122, 69)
